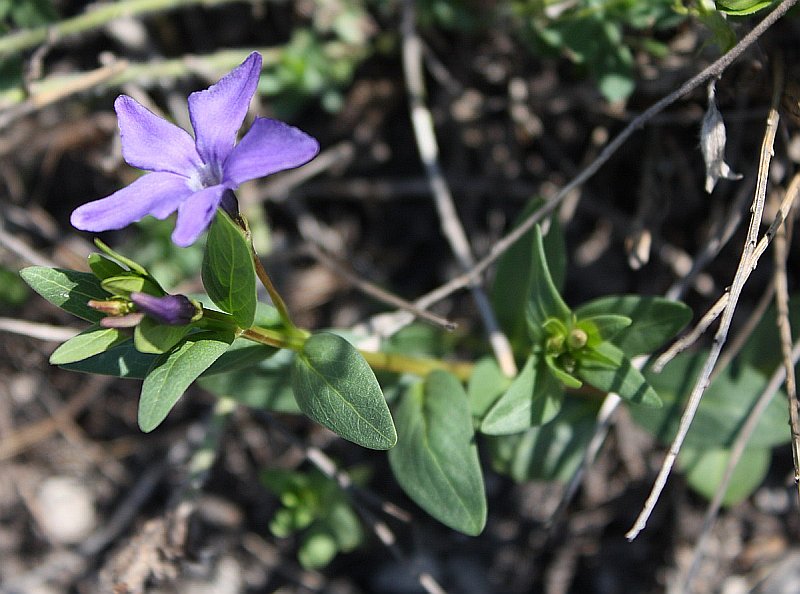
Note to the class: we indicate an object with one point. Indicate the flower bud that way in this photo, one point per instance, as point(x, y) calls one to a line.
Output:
point(111, 307)
point(172, 310)
point(577, 339)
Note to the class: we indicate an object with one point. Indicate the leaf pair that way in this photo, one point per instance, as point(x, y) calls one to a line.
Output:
point(566, 349)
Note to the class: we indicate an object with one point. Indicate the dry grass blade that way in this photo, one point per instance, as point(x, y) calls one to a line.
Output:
point(452, 229)
point(747, 264)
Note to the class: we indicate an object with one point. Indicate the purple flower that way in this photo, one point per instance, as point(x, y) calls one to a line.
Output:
point(173, 310)
point(191, 175)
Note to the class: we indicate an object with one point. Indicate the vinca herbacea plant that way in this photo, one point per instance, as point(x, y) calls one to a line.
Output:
point(241, 348)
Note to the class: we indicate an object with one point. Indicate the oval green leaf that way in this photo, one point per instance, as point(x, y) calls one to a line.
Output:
point(725, 406)
point(533, 398)
point(544, 300)
point(228, 272)
point(704, 469)
point(654, 320)
point(172, 373)
point(612, 371)
point(90, 342)
point(436, 460)
point(551, 452)
point(67, 289)
point(335, 387)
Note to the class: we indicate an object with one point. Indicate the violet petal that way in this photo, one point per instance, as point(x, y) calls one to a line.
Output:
point(195, 215)
point(156, 194)
point(269, 146)
point(217, 113)
point(173, 310)
point(152, 143)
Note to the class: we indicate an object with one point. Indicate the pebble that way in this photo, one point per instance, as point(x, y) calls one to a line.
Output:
point(67, 513)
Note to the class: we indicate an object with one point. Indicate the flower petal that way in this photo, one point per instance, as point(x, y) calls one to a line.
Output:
point(195, 215)
point(217, 113)
point(269, 146)
point(152, 143)
point(156, 194)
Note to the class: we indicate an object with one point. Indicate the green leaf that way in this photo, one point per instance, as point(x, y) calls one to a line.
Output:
point(613, 372)
point(723, 409)
point(122, 361)
point(551, 452)
point(267, 386)
point(436, 460)
point(335, 386)
point(172, 373)
point(704, 469)
point(565, 378)
point(123, 286)
point(131, 264)
point(152, 337)
point(229, 274)
point(317, 549)
point(742, 7)
point(103, 267)
point(544, 301)
point(67, 289)
point(515, 274)
point(602, 327)
point(243, 354)
point(486, 384)
point(654, 320)
point(533, 398)
point(88, 343)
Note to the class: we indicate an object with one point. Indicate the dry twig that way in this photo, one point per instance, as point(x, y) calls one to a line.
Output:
point(747, 264)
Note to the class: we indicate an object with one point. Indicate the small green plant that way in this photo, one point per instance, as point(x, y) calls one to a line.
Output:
point(314, 507)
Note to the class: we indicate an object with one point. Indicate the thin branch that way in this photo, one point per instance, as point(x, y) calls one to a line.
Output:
point(747, 264)
point(785, 329)
point(93, 19)
point(714, 70)
point(375, 291)
point(735, 455)
point(422, 122)
point(46, 332)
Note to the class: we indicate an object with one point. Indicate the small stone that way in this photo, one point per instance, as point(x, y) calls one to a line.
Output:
point(67, 513)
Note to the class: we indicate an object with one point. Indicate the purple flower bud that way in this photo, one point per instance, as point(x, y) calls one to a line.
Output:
point(172, 310)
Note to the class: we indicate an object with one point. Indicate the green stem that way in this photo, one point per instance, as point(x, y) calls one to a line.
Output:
point(395, 363)
point(93, 19)
point(380, 361)
point(216, 320)
point(275, 338)
point(276, 298)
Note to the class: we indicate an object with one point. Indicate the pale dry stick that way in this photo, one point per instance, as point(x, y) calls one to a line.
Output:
point(687, 340)
point(780, 251)
point(82, 82)
point(93, 19)
point(502, 245)
point(21, 249)
point(27, 436)
point(422, 123)
point(45, 332)
point(714, 244)
point(746, 266)
point(737, 449)
point(737, 343)
point(375, 291)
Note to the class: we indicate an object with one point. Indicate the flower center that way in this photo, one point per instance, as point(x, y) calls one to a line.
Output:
point(205, 176)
